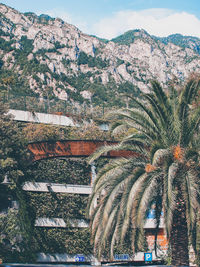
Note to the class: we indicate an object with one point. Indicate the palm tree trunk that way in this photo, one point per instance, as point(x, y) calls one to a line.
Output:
point(179, 237)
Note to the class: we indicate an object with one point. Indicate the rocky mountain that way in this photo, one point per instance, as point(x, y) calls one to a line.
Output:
point(45, 56)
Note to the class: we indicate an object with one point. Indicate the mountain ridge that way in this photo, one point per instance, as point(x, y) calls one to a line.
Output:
point(47, 57)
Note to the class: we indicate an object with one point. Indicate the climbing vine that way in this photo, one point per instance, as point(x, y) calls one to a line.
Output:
point(70, 241)
point(58, 205)
point(69, 171)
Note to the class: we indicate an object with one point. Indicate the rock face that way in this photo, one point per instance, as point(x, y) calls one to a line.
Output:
point(49, 56)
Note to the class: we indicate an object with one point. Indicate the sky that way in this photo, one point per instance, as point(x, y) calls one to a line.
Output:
point(111, 18)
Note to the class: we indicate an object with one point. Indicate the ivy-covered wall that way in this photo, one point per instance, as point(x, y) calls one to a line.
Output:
point(70, 240)
point(59, 205)
point(57, 170)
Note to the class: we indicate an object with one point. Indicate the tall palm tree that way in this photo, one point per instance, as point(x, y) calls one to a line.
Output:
point(164, 173)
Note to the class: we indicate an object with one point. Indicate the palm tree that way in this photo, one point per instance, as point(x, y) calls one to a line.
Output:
point(164, 173)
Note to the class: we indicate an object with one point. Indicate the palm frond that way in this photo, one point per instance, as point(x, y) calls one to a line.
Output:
point(188, 95)
point(190, 190)
point(138, 120)
point(103, 150)
point(161, 96)
point(146, 110)
point(193, 125)
point(150, 188)
point(129, 195)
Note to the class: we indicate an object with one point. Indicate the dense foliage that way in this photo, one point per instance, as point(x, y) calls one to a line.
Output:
point(13, 240)
point(15, 225)
point(69, 171)
point(43, 132)
point(58, 205)
point(20, 240)
point(70, 241)
point(12, 148)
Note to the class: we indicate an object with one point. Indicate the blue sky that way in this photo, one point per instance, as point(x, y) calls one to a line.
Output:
point(110, 18)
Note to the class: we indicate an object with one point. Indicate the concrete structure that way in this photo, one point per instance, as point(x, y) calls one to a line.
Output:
point(36, 117)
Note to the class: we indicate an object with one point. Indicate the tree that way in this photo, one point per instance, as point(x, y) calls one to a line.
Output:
point(12, 148)
point(15, 235)
point(164, 173)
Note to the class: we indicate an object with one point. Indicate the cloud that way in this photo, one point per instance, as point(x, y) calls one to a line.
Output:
point(156, 21)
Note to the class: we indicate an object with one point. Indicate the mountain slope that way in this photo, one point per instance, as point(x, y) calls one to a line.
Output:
point(182, 41)
point(44, 56)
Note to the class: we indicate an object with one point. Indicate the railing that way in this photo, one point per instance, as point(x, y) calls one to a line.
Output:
point(52, 106)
